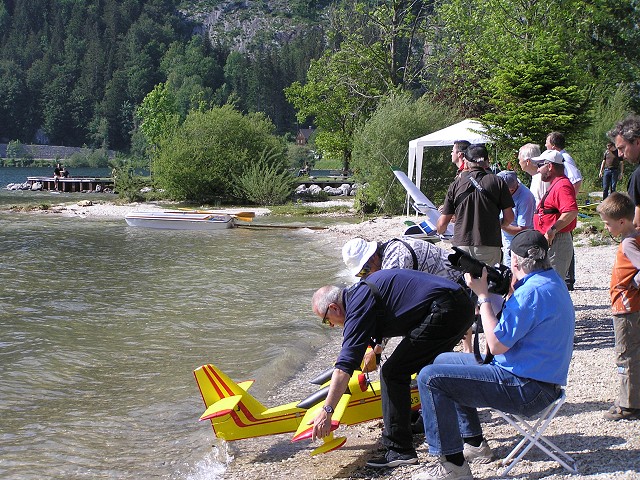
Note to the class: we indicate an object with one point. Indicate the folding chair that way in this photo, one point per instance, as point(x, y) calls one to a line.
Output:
point(533, 435)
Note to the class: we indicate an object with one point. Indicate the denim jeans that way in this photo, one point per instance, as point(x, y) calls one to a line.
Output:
point(451, 315)
point(455, 385)
point(609, 181)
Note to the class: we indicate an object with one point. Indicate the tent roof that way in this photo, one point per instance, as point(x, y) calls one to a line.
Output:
point(464, 130)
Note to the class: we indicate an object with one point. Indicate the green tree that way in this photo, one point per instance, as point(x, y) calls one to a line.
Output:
point(533, 95)
point(198, 159)
point(382, 144)
point(158, 114)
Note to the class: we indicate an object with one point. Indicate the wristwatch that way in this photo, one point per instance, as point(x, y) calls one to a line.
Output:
point(483, 300)
point(328, 408)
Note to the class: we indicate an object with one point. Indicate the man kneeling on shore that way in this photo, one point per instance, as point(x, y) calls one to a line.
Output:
point(430, 312)
point(532, 343)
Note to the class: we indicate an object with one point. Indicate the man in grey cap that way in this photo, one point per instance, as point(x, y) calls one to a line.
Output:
point(525, 205)
point(532, 342)
point(556, 214)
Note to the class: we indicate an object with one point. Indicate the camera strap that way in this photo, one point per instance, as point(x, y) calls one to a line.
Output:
point(476, 339)
point(381, 311)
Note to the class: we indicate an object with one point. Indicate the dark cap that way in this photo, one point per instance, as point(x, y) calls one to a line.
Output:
point(529, 244)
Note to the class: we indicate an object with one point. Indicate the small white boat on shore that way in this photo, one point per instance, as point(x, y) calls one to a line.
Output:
point(181, 220)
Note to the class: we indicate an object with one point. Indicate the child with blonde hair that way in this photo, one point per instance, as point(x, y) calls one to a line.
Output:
point(617, 212)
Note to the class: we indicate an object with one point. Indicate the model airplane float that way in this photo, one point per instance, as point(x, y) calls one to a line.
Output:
point(235, 414)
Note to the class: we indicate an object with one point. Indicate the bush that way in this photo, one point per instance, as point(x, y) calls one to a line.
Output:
point(265, 182)
point(383, 143)
point(198, 161)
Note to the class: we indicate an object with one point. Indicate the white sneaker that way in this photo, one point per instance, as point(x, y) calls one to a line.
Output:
point(481, 454)
point(444, 470)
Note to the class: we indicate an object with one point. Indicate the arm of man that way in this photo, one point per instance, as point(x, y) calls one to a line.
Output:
point(602, 167)
point(507, 217)
point(443, 222)
point(337, 387)
point(489, 320)
point(563, 220)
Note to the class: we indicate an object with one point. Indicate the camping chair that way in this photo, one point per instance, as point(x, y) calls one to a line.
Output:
point(533, 435)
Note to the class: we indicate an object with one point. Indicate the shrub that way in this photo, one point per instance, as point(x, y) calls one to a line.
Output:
point(265, 182)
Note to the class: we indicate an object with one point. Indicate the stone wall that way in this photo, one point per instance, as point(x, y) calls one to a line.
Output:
point(51, 151)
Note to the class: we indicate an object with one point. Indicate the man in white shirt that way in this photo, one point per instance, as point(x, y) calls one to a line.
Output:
point(525, 154)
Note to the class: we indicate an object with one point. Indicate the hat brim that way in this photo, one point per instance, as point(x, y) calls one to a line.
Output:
point(368, 253)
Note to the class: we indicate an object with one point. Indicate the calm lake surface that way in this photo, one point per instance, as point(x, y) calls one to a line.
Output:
point(101, 325)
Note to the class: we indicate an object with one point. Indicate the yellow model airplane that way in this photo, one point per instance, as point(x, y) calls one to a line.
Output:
point(235, 414)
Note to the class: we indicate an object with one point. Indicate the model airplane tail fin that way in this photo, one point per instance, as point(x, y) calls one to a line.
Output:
point(221, 394)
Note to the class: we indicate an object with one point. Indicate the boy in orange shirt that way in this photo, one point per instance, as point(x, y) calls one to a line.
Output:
point(617, 212)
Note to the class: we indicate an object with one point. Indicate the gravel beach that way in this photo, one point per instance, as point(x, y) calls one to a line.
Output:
point(604, 450)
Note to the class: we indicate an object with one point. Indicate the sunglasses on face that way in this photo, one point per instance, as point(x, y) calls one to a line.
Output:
point(325, 321)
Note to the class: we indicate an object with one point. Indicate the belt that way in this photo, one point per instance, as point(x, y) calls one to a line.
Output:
point(607, 168)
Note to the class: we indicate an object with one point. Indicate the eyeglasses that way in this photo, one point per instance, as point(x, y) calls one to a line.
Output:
point(366, 269)
point(325, 321)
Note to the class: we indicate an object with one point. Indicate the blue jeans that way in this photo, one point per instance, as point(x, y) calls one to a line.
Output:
point(609, 181)
point(455, 385)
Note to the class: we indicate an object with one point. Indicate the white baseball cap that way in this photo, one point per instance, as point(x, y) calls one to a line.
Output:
point(356, 253)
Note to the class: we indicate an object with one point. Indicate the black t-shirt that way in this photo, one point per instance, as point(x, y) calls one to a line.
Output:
point(477, 212)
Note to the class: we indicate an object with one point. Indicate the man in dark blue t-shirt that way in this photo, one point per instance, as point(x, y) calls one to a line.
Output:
point(430, 312)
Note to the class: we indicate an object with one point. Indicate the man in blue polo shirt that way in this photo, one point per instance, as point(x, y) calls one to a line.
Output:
point(532, 343)
point(431, 313)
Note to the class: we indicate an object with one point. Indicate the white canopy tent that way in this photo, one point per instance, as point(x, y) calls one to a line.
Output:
point(470, 130)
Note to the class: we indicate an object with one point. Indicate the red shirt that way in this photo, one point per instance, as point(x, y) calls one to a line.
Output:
point(559, 199)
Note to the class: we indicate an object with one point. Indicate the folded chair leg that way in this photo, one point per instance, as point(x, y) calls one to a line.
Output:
point(533, 435)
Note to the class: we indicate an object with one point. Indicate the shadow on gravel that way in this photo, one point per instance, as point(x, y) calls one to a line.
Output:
point(593, 333)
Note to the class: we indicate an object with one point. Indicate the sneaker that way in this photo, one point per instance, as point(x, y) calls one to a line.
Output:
point(481, 454)
point(394, 459)
point(621, 413)
point(444, 470)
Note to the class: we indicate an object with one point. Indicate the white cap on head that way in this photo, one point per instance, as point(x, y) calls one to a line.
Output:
point(551, 156)
point(356, 252)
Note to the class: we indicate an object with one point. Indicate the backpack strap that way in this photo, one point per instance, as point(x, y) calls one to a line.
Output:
point(382, 311)
point(411, 251)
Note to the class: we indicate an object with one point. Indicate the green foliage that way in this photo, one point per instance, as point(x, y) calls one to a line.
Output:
point(265, 181)
point(88, 158)
point(382, 144)
point(127, 184)
point(158, 114)
point(533, 95)
point(200, 157)
point(608, 107)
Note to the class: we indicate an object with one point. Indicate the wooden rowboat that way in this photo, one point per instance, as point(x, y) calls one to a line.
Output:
point(181, 220)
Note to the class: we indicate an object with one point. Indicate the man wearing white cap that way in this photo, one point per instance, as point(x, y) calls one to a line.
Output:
point(557, 211)
point(364, 258)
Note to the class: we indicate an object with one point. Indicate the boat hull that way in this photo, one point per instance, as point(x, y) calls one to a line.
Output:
point(180, 220)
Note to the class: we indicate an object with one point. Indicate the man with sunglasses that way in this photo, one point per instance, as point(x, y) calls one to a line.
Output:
point(557, 212)
point(431, 313)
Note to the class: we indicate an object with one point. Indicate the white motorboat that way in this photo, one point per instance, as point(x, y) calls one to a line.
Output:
point(181, 220)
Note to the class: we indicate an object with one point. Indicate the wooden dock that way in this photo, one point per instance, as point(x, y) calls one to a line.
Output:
point(73, 184)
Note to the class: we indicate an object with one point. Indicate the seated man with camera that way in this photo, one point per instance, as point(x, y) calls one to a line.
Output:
point(532, 343)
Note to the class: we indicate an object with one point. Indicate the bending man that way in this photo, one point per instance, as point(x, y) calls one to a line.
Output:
point(430, 312)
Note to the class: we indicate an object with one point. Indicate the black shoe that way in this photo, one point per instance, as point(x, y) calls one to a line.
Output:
point(417, 426)
point(394, 459)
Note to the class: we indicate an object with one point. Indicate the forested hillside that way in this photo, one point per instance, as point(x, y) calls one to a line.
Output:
point(73, 72)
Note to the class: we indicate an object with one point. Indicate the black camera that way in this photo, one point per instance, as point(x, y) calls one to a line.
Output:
point(499, 277)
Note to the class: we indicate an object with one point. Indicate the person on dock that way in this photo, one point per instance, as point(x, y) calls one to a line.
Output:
point(57, 173)
point(430, 312)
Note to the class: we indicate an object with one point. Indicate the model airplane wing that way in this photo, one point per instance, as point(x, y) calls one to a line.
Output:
point(305, 430)
point(421, 203)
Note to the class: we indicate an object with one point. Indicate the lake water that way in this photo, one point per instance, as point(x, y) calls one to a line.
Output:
point(101, 325)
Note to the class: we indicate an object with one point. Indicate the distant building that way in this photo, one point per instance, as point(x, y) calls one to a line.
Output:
point(303, 135)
